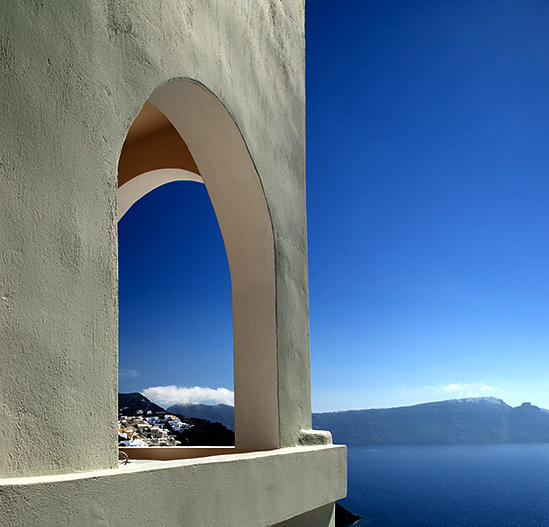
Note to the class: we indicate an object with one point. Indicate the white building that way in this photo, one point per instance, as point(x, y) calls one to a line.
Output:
point(103, 101)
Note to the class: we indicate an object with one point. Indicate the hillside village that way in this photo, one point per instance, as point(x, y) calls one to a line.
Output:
point(142, 423)
point(139, 431)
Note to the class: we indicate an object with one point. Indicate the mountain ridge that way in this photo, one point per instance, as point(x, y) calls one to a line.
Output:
point(476, 420)
point(493, 400)
point(473, 420)
point(216, 413)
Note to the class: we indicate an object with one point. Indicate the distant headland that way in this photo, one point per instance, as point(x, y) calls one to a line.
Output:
point(458, 421)
point(475, 420)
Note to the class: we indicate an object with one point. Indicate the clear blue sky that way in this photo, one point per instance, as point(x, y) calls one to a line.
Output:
point(428, 217)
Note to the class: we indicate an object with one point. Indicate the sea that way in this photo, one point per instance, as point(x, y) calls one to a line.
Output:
point(449, 485)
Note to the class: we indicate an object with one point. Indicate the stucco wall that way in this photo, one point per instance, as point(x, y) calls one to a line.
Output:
point(243, 490)
point(73, 76)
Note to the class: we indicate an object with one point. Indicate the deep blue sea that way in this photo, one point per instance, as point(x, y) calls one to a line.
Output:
point(449, 486)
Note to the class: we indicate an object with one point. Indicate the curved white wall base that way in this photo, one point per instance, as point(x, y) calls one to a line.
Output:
point(134, 189)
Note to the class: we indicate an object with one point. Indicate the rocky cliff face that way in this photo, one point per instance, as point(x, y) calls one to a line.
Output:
point(343, 517)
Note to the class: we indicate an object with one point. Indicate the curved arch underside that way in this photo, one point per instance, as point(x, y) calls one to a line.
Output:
point(138, 186)
point(219, 157)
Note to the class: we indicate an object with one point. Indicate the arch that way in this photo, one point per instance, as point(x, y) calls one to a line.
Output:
point(138, 186)
point(220, 158)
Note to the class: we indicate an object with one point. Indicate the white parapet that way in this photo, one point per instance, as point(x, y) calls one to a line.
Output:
point(255, 489)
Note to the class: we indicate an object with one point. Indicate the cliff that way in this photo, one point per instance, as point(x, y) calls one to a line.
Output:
point(458, 421)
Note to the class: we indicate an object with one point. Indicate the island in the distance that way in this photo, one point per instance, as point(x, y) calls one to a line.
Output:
point(457, 421)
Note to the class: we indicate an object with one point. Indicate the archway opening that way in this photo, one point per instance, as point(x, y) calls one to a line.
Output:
point(184, 133)
point(175, 322)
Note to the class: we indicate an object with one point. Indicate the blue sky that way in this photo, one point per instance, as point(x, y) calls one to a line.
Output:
point(428, 218)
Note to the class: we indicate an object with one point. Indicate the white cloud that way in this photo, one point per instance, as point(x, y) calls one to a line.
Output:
point(475, 389)
point(124, 372)
point(168, 395)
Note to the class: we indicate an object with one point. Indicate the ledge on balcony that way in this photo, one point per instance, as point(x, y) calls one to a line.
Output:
point(163, 453)
point(253, 489)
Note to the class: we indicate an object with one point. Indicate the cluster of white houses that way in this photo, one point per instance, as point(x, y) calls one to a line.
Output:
point(136, 431)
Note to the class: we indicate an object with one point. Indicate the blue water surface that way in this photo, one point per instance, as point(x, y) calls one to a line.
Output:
point(449, 485)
